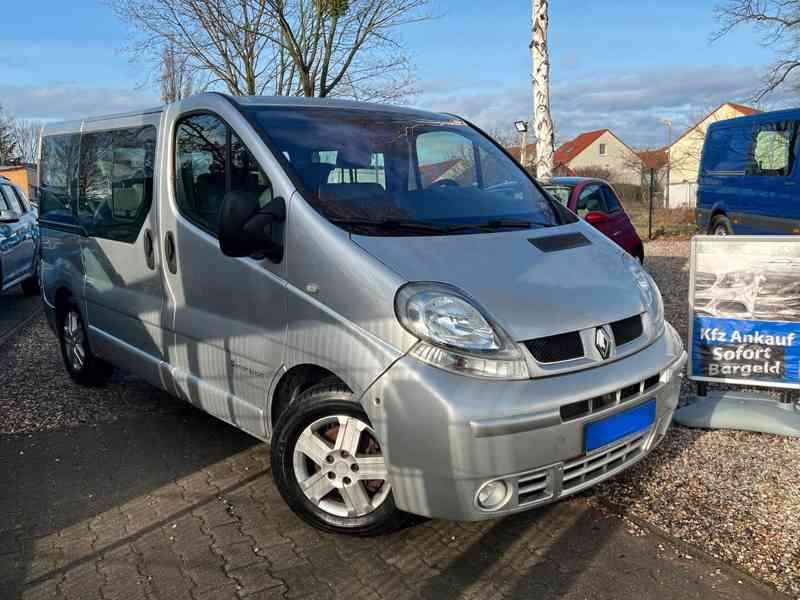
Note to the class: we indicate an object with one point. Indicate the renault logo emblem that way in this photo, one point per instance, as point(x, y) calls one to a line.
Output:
point(602, 342)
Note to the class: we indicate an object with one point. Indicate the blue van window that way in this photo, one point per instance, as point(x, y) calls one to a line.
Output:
point(728, 151)
point(58, 174)
point(773, 149)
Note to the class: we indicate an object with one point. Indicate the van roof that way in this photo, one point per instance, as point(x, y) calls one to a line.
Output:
point(245, 101)
point(787, 113)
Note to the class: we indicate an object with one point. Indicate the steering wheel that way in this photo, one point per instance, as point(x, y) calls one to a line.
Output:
point(445, 183)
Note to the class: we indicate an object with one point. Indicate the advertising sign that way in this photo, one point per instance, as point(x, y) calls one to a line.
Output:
point(745, 310)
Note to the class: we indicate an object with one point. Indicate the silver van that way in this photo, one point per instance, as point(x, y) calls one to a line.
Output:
point(381, 293)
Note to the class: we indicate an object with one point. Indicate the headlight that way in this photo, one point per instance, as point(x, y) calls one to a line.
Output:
point(651, 296)
point(456, 334)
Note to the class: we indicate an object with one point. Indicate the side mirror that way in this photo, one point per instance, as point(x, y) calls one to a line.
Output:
point(246, 229)
point(9, 216)
point(596, 217)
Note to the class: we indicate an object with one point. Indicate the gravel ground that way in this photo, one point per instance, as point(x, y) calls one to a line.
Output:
point(34, 355)
point(736, 495)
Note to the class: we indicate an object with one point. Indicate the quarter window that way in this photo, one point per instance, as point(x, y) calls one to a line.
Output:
point(211, 160)
point(115, 189)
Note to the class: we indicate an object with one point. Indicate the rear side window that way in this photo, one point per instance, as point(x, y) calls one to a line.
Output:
point(211, 161)
point(773, 149)
point(58, 173)
point(115, 189)
point(14, 205)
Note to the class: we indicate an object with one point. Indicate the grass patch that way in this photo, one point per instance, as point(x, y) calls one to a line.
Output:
point(667, 222)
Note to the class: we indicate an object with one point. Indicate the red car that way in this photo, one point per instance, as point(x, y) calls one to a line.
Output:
point(595, 201)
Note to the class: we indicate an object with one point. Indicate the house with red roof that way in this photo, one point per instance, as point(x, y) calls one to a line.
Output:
point(596, 151)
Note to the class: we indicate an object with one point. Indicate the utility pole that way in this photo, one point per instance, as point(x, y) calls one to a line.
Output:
point(543, 121)
point(668, 123)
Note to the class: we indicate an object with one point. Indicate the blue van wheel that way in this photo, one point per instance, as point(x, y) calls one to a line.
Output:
point(721, 225)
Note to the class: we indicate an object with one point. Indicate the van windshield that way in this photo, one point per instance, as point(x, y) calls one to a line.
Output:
point(388, 173)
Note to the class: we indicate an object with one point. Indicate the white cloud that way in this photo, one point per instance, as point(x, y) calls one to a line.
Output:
point(71, 101)
point(631, 104)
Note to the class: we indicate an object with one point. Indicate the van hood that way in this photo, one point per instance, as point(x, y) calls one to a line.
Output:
point(531, 293)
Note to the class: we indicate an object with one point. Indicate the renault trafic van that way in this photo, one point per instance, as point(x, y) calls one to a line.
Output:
point(381, 293)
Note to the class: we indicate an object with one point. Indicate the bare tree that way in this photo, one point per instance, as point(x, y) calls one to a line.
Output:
point(26, 133)
point(9, 148)
point(177, 80)
point(543, 122)
point(778, 22)
point(216, 40)
point(283, 47)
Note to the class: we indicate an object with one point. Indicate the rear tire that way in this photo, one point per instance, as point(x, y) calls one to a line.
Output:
point(323, 451)
point(82, 366)
point(721, 225)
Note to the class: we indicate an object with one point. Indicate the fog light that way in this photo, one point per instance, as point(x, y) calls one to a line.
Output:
point(492, 495)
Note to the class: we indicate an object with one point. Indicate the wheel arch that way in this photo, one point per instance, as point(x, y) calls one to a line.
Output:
point(292, 382)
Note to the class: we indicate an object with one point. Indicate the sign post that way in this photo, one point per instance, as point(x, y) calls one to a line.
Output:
point(744, 329)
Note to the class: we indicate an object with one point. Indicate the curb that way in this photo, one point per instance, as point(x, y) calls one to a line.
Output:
point(7, 335)
point(731, 569)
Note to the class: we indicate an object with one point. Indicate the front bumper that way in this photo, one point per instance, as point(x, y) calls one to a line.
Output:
point(445, 435)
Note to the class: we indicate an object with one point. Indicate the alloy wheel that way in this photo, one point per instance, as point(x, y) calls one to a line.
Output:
point(339, 466)
point(74, 341)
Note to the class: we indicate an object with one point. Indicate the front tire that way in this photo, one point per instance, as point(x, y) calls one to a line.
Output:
point(82, 366)
point(329, 467)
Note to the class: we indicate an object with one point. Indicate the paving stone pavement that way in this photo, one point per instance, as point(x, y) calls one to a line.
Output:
point(181, 506)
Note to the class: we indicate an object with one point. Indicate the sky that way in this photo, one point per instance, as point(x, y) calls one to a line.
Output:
point(620, 64)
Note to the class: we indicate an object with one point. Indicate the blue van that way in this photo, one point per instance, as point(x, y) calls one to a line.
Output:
point(748, 181)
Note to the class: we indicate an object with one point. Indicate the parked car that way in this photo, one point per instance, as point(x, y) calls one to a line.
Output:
point(748, 181)
point(596, 202)
point(19, 240)
point(382, 293)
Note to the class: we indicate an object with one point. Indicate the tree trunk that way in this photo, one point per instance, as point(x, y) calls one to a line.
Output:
point(543, 122)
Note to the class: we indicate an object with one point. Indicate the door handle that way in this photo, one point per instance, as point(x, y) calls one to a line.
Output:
point(170, 253)
point(149, 250)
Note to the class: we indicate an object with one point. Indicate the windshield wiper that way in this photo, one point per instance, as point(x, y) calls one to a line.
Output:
point(496, 224)
point(394, 225)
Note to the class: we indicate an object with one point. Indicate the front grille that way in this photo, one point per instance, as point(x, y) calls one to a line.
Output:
point(541, 485)
point(582, 408)
point(586, 469)
point(534, 487)
point(627, 330)
point(555, 348)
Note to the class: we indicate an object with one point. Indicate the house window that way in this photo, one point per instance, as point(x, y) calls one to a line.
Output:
point(602, 149)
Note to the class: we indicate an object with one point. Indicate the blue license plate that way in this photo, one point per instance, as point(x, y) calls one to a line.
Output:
point(616, 427)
